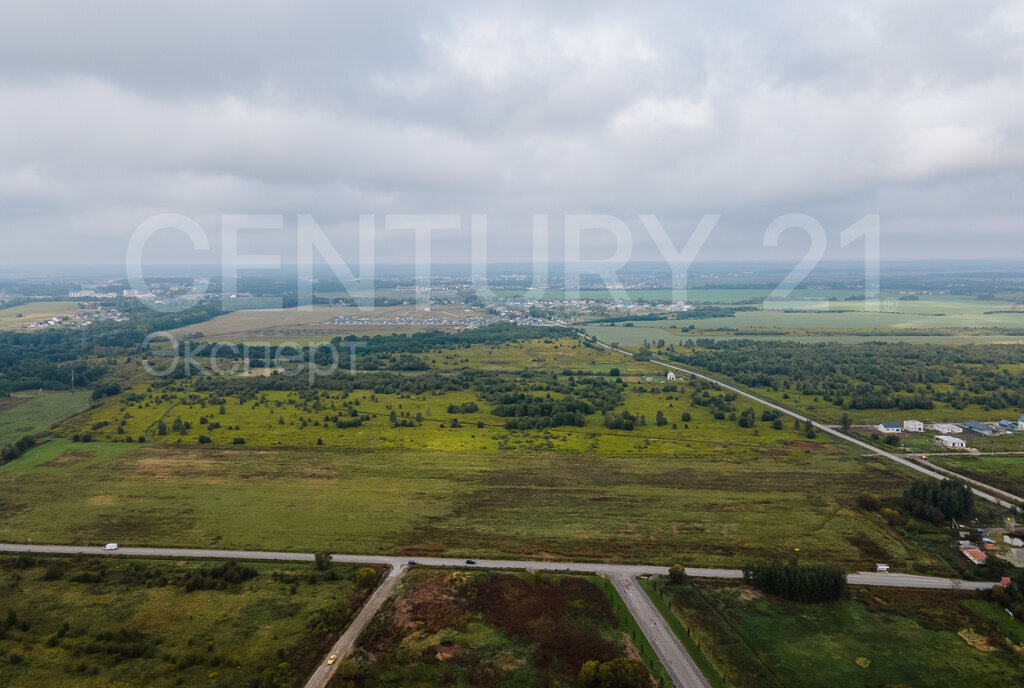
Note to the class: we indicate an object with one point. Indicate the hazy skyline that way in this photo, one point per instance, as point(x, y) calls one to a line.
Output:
point(114, 113)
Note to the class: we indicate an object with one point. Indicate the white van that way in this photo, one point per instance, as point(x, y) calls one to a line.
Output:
point(110, 546)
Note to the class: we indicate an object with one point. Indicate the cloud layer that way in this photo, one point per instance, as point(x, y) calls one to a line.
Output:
point(112, 113)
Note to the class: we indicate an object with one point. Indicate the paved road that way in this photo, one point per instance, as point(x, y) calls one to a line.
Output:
point(677, 662)
point(984, 491)
point(897, 580)
point(325, 672)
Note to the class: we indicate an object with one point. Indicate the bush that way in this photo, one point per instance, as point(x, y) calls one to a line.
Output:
point(677, 573)
point(367, 577)
point(869, 501)
point(891, 516)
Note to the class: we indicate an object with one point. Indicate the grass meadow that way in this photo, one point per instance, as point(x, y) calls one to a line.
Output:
point(720, 509)
point(88, 623)
point(33, 312)
point(28, 413)
point(873, 637)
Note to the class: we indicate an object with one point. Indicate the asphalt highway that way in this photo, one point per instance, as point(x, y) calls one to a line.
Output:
point(986, 492)
point(677, 662)
point(897, 580)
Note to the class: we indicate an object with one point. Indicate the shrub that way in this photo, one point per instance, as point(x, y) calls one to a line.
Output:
point(869, 501)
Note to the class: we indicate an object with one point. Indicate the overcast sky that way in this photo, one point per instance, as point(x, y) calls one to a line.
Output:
point(113, 112)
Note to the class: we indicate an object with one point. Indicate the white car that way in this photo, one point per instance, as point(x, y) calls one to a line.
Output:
point(110, 546)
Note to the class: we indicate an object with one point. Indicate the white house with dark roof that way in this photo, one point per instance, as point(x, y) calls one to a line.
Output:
point(890, 427)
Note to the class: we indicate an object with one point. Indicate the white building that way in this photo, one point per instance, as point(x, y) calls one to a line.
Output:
point(913, 426)
point(947, 428)
point(890, 427)
point(1020, 423)
point(952, 442)
point(671, 376)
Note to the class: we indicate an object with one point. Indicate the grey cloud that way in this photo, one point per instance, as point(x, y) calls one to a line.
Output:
point(111, 112)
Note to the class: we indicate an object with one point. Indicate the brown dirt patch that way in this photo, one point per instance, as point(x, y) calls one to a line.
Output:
point(7, 403)
point(748, 594)
point(70, 458)
point(802, 444)
point(102, 500)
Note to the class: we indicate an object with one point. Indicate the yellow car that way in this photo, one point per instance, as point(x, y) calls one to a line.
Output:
point(332, 659)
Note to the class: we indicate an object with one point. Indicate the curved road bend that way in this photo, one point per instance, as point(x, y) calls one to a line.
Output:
point(987, 495)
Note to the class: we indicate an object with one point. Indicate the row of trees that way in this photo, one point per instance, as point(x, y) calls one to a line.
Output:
point(12, 451)
point(800, 583)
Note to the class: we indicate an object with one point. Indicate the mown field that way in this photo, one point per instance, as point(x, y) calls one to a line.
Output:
point(304, 325)
point(32, 312)
point(874, 637)
point(720, 508)
point(28, 413)
point(1003, 471)
point(489, 629)
point(87, 622)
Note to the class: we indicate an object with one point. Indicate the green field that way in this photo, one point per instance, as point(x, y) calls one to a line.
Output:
point(28, 413)
point(945, 319)
point(483, 628)
point(875, 637)
point(709, 509)
point(89, 623)
point(1002, 471)
point(33, 312)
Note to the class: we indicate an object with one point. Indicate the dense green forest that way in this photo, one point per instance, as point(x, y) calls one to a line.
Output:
point(873, 375)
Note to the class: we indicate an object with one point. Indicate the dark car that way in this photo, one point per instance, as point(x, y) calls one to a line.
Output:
point(470, 562)
point(413, 562)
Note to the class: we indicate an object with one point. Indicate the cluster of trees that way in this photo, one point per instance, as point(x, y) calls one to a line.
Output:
point(218, 577)
point(621, 420)
point(616, 673)
point(800, 583)
point(938, 501)
point(44, 360)
point(1011, 597)
point(12, 451)
point(871, 375)
point(541, 412)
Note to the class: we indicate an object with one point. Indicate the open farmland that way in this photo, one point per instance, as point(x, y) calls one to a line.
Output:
point(927, 319)
point(312, 324)
point(709, 508)
point(97, 622)
point(16, 317)
point(28, 413)
point(1003, 471)
point(873, 637)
